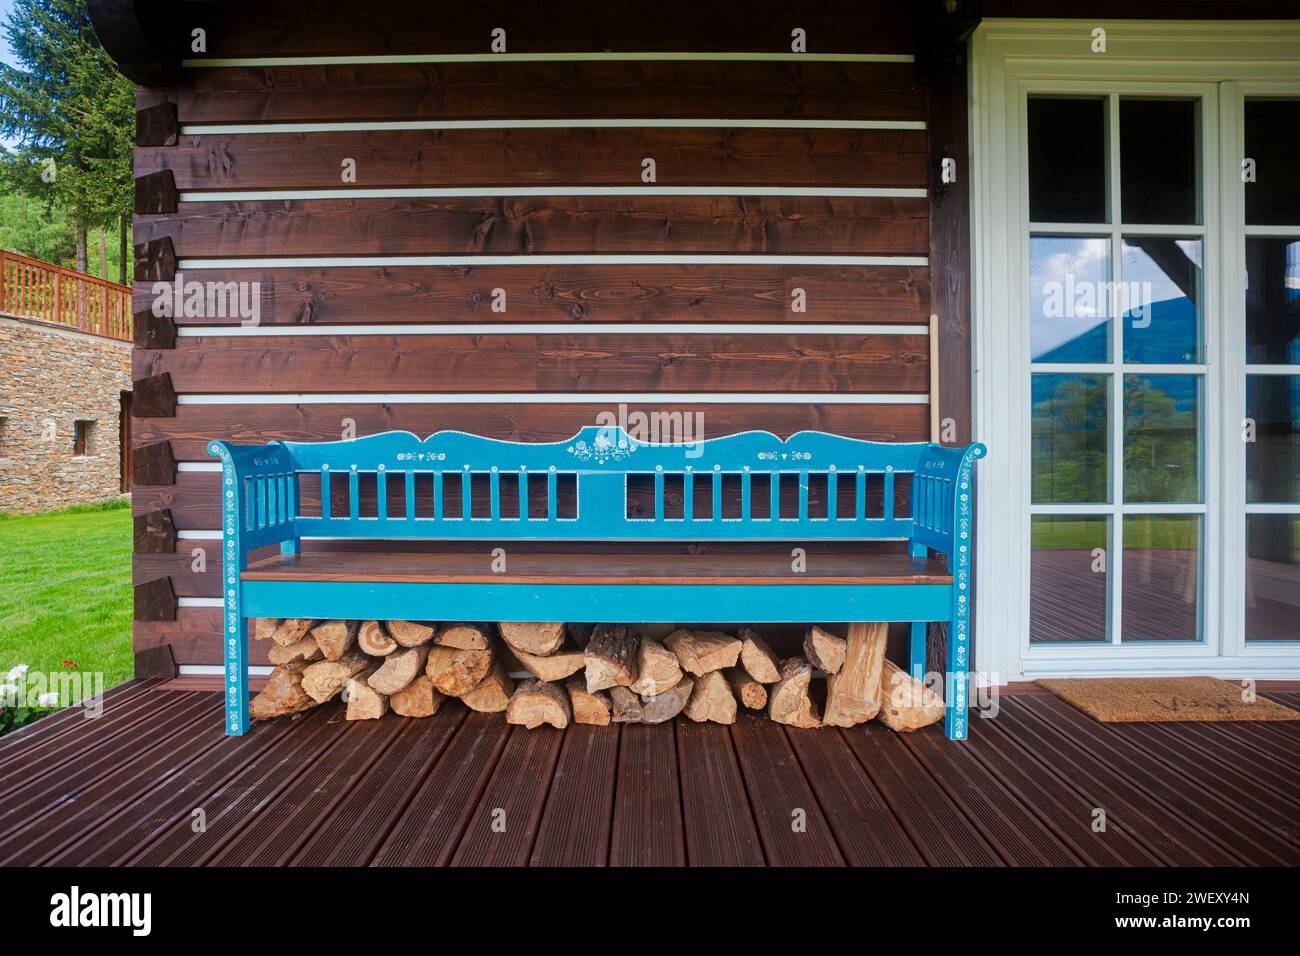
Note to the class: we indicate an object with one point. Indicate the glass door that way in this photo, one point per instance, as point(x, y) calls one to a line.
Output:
point(1119, 303)
point(1271, 425)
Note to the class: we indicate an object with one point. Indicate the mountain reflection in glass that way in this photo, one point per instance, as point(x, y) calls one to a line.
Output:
point(1069, 299)
point(1161, 295)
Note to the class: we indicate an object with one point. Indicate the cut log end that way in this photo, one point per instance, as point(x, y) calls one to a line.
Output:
point(610, 657)
point(757, 658)
point(323, 680)
point(824, 650)
point(374, 640)
point(410, 633)
point(399, 669)
point(657, 669)
point(906, 703)
point(464, 637)
point(536, 702)
point(364, 702)
point(711, 700)
point(588, 708)
point(702, 652)
point(555, 667)
point(535, 638)
point(416, 699)
point(748, 691)
point(492, 694)
point(283, 694)
point(788, 700)
point(291, 630)
point(335, 638)
point(457, 672)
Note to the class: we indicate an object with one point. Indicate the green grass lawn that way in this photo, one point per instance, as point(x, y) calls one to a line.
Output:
point(65, 591)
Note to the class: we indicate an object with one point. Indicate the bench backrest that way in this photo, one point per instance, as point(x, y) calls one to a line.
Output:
point(599, 485)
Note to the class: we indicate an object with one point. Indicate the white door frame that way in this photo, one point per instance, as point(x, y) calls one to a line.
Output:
point(1220, 62)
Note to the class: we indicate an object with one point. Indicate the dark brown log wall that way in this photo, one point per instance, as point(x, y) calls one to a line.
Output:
point(208, 385)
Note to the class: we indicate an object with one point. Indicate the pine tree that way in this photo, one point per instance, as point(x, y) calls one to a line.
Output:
point(71, 113)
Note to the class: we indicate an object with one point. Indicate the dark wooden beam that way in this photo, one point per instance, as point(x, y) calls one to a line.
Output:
point(155, 600)
point(940, 29)
point(156, 193)
point(153, 331)
point(157, 126)
point(155, 261)
point(153, 464)
point(154, 533)
point(154, 397)
point(155, 662)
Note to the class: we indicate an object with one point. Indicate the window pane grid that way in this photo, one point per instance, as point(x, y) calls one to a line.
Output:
point(1159, 531)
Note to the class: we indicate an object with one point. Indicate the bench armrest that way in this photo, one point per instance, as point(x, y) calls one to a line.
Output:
point(259, 496)
point(942, 498)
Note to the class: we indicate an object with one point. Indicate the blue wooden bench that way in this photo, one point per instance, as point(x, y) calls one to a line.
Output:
point(579, 490)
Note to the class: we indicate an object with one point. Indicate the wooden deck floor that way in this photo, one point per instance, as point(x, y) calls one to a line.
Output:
point(466, 789)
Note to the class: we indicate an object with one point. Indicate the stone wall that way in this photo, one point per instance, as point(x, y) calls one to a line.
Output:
point(51, 378)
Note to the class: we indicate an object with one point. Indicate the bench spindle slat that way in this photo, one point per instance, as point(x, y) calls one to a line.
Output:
point(437, 496)
point(688, 496)
point(523, 494)
point(409, 494)
point(659, 496)
point(745, 500)
point(888, 493)
point(832, 495)
point(716, 504)
point(774, 481)
point(494, 494)
point(552, 503)
point(354, 494)
point(381, 493)
point(466, 494)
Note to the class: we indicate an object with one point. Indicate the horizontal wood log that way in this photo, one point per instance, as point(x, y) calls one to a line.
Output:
point(635, 25)
point(554, 225)
point(154, 533)
point(858, 364)
point(194, 425)
point(685, 156)
point(691, 90)
point(754, 294)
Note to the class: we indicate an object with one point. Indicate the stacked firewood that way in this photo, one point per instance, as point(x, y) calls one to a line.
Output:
point(604, 674)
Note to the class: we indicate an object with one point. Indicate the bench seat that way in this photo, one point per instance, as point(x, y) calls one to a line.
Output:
point(717, 568)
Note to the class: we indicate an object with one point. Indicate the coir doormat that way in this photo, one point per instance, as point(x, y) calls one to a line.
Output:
point(1122, 699)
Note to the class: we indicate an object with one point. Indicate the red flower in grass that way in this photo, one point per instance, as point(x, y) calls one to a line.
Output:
point(69, 663)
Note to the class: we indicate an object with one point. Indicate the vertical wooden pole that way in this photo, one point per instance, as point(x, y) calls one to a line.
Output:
point(934, 378)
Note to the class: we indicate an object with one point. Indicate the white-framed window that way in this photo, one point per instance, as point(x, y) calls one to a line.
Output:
point(1130, 519)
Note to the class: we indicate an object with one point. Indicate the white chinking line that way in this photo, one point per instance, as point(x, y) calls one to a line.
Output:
point(370, 126)
point(496, 192)
point(377, 59)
